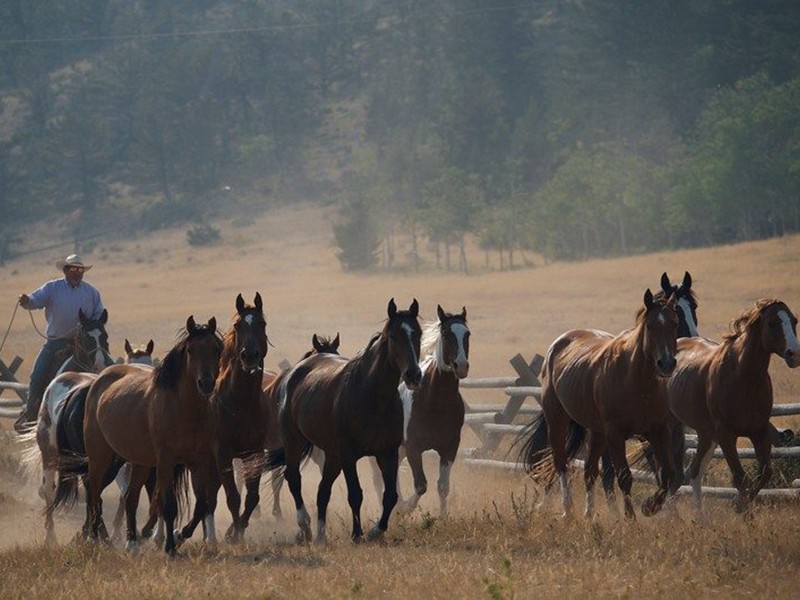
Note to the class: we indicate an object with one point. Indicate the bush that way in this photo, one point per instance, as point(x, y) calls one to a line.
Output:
point(202, 235)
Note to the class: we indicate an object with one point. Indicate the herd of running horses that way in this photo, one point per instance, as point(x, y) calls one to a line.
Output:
point(179, 425)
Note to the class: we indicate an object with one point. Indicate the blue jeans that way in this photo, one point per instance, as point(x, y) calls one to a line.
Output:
point(42, 374)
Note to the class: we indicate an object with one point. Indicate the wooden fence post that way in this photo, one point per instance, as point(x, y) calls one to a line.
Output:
point(8, 373)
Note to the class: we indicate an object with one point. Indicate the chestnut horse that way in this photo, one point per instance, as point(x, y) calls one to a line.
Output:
point(434, 412)
point(724, 391)
point(609, 385)
point(158, 418)
point(349, 409)
point(272, 387)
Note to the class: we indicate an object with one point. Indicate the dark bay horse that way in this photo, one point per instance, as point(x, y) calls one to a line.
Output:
point(240, 412)
point(609, 386)
point(724, 391)
point(434, 412)
point(350, 409)
point(158, 418)
point(273, 383)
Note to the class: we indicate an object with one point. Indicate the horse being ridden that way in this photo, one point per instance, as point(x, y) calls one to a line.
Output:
point(273, 385)
point(158, 418)
point(59, 426)
point(609, 385)
point(724, 391)
point(350, 409)
point(434, 412)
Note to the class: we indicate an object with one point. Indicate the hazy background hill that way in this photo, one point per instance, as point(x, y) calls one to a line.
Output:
point(569, 129)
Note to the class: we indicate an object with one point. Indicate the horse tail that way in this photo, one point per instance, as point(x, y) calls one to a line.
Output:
point(72, 468)
point(534, 450)
point(181, 483)
point(575, 439)
point(31, 456)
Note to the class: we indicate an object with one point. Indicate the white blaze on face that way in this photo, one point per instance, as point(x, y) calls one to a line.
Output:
point(686, 307)
point(409, 332)
point(99, 363)
point(460, 331)
point(788, 333)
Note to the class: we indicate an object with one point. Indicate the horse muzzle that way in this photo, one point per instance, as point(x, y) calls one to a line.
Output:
point(665, 366)
point(412, 377)
point(461, 369)
point(205, 385)
point(792, 358)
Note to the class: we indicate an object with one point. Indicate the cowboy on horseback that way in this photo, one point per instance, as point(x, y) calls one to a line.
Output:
point(62, 300)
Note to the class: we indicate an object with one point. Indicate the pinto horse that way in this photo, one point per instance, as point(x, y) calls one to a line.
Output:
point(89, 352)
point(349, 409)
point(273, 384)
point(609, 386)
point(434, 412)
point(158, 418)
point(724, 391)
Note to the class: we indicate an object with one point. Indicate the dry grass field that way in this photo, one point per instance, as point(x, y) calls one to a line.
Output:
point(493, 545)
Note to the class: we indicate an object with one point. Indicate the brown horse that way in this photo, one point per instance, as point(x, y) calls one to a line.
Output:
point(158, 418)
point(434, 412)
point(610, 386)
point(724, 391)
point(140, 354)
point(350, 409)
point(240, 413)
point(272, 387)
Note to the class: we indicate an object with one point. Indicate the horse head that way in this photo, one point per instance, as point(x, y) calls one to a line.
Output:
point(202, 354)
point(686, 303)
point(779, 330)
point(404, 334)
point(142, 355)
point(660, 332)
point(250, 333)
point(453, 347)
point(91, 343)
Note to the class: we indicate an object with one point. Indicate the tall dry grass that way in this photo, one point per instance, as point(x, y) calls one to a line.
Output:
point(493, 545)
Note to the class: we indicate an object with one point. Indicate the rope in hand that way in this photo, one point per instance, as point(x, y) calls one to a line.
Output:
point(11, 322)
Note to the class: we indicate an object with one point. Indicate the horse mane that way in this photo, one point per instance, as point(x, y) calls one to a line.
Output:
point(167, 374)
point(431, 335)
point(741, 323)
point(228, 354)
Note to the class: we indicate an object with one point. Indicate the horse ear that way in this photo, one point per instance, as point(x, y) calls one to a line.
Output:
point(687, 280)
point(190, 324)
point(212, 324)
point(666, 286)
point(392, 309)
point(464, 312)
point(239, 303)
point(81, 316)
point(257, 302)
point(315, 343)
point(648, 299)
point(104, 316)
point(335, 342)
point(150, 346)
point(440, 312)
point(128, 349)
point(414, 308)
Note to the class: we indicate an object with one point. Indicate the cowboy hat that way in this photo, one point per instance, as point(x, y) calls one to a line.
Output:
point(73, 260)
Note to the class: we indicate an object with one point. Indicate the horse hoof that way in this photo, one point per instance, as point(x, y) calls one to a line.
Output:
point(179, 539)
point(375, 534)
point(650, 507)
point(132, 547)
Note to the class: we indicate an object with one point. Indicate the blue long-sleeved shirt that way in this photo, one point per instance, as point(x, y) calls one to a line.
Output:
point(61, 303)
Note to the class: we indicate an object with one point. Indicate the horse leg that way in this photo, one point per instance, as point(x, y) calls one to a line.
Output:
point(414, 455)
point(727, 441)
point(293, 480)
point(123, 480)
point(100, 461)
point(388, 462)
point(762, 445)
point(609, 484)
point(698, 467)
point(616, 446)
point(276, 481)
point(167, 502)
point(252, 499)
point(446, 461)
point(678, 447)
point(205, 485)
point(597, 446)
point(152, 513)
point(137, 477)
point(330, 471)
point(558, 423)
point(232, 497)
point(660, 442)
point(355, 496)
